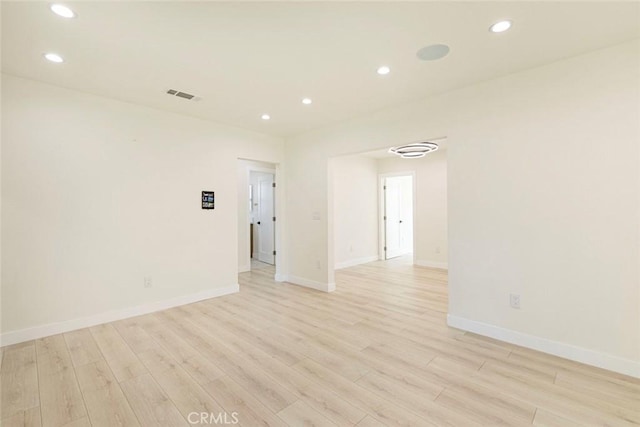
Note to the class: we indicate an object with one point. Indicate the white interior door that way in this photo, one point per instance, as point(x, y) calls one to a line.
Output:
point(398, 220)
point(265, 221)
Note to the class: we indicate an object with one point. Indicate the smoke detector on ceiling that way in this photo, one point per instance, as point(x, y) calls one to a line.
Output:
point(183, 95)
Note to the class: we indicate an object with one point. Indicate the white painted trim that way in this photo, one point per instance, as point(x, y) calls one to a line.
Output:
point(279, 277)
point(41, 331)
point(244, 268)
point(432, 264)
point(567, 351)
point(356, 261)
point(307, 283)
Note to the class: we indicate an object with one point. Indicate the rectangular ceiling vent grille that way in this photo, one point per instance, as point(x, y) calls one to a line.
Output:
point(184, 95)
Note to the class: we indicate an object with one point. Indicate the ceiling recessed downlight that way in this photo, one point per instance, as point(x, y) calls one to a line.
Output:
point(266, 117)
point(53, 57)
point(384, 70)
point(500, 27)
point(62, 10)
point(433, 52)
point(306, 101)
point(415, 150)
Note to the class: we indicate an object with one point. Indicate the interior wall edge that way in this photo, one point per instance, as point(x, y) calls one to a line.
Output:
point(431, 264)
point(356, 261)
point(307, 283)
point(556, 348)
point(41, 331)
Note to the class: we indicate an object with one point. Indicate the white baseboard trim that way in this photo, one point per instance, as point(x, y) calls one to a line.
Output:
point(307, 283)
point(279, 277)
point(36, 332)
point(356, 261)
point(244, 268)
point(431, 264)
point(567, 351)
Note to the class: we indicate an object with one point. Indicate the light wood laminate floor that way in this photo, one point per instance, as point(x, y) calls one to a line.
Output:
point(377, 352)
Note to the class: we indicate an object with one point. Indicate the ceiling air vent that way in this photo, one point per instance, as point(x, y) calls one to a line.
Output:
point(184, 95)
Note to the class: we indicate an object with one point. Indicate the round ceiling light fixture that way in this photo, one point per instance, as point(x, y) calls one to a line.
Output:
point(265, 117)
point(415, 150)
point(53, 57)
point(306, 101)
point(384, 70)
point(433, 52)
point(500, 27)
point(62, 10)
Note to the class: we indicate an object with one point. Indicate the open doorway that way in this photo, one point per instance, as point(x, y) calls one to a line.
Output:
point(415, 207)
point(397, 215)
point(258, 235)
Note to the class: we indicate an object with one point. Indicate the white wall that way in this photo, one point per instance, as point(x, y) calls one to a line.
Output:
point(355, 213)
point(97, 194)
point(544, 201)
point(308, 220)
point(430, 219)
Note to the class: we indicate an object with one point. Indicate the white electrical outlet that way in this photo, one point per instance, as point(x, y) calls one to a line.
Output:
point(437, 249)
point(514, 300)
point(148, 282)
point(318, 264)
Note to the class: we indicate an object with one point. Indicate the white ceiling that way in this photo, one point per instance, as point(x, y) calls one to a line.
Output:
point(245, 59)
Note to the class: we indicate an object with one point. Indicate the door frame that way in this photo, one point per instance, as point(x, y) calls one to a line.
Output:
point(382, 236)
point(243, 193)
point(259, 233)
point(273, 172)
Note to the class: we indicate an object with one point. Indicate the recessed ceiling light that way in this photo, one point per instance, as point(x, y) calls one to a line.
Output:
point(433, 52)
point(306, 101)
point(500, 27)
point(53, 57)
point(63, 11)
point(384, 70)
point(266, 117)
